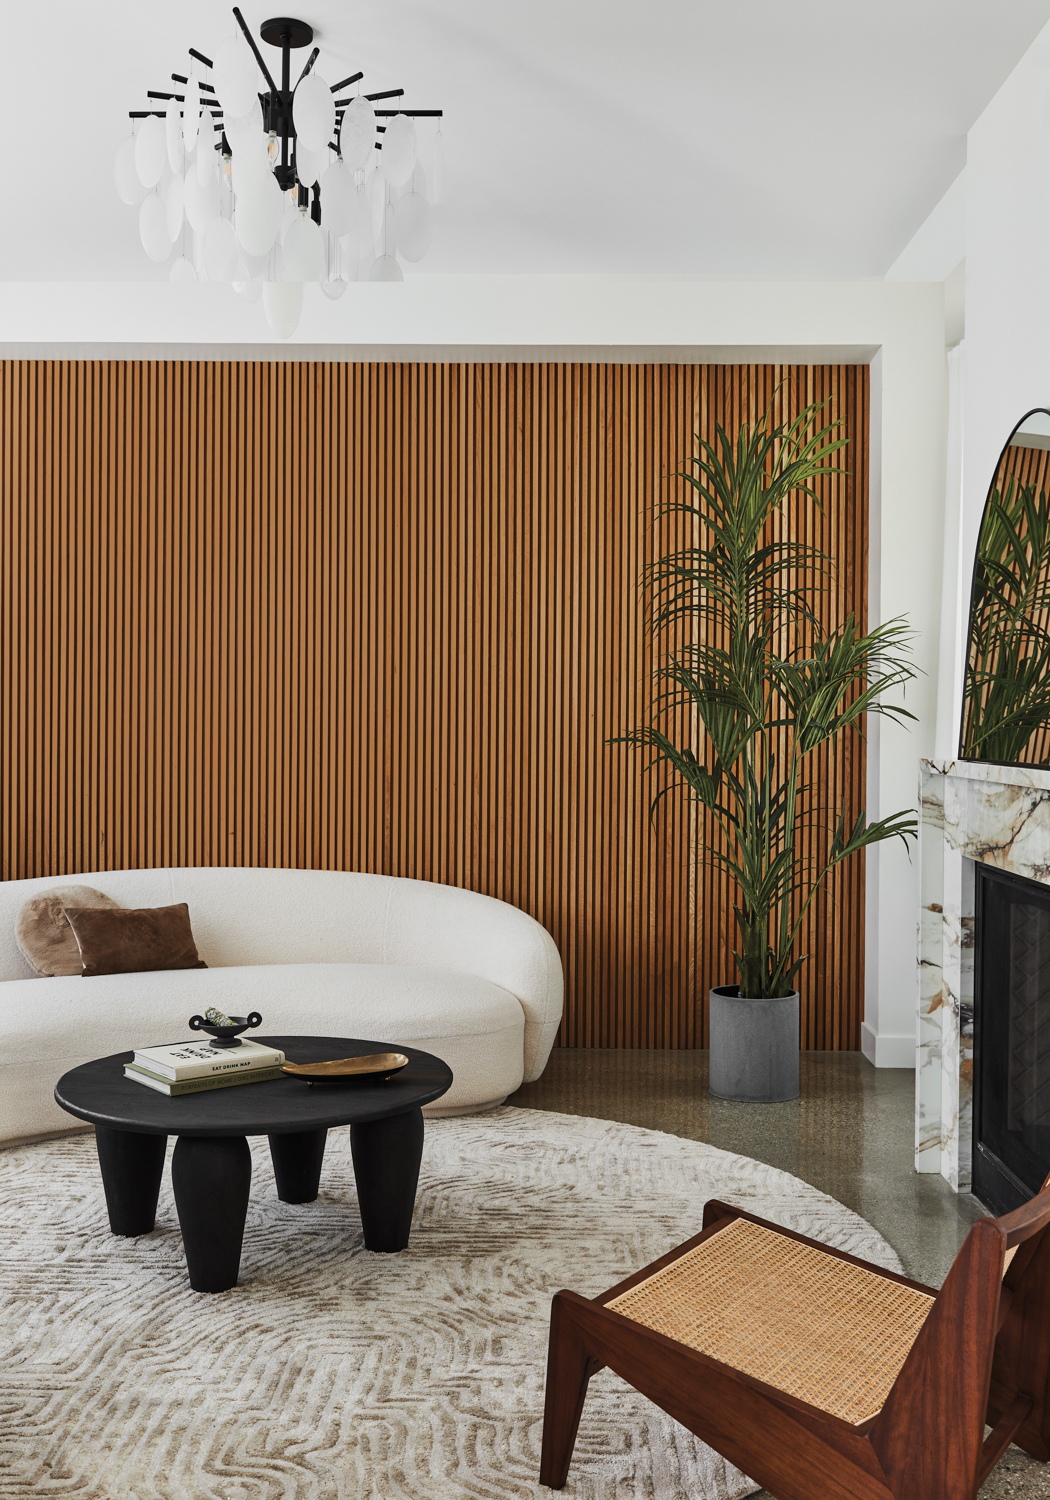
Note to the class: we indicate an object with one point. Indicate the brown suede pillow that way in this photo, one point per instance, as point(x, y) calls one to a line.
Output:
point(44, 937)
point(134, 942)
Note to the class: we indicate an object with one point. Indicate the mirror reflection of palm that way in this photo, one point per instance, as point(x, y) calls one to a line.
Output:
point(1006, 708)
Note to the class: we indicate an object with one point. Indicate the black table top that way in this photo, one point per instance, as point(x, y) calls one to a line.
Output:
point(99, 1092)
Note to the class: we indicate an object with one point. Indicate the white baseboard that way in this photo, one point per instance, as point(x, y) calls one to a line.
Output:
point(887, 1050)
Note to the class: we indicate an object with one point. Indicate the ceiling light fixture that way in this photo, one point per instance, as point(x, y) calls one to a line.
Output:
point(268, 189)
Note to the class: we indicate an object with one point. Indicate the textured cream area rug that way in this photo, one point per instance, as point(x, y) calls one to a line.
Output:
point(333, 1374)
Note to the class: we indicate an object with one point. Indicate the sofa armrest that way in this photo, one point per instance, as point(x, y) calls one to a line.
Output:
point(441, 926)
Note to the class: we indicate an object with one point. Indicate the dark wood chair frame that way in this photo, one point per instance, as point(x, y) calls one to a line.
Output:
point(981, 1357)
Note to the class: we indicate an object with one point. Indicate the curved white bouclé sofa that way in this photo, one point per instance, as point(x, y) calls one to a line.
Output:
point(469, 978)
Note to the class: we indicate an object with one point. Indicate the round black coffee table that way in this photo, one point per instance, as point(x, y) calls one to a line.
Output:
point(211, 1168)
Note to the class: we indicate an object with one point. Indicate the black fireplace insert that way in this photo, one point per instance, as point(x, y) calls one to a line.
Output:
point(1011, 1106)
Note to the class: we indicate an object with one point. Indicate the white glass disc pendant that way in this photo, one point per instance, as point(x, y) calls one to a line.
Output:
point(252, 170)
point(245, 132)
point(258, 218)
point(236, 76)
point(173, 203)
point(334, 289)
point(220, 253)
point(313, 112)
point(129, 185)
point(181, 270)
point(359, 239)
point(303, 250)
point(200, 201)
point(378, 193)
point(310, 166)
point(153, 227)
point(338, 191)
point(283, 305)
point(398, 155)
point(191, 114)
point(173, 135)
point(357, 134)
point(151, 151)
point(385, 268)
point(207, 156)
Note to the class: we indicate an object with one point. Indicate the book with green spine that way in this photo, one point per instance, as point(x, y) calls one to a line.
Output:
point(197, 1085)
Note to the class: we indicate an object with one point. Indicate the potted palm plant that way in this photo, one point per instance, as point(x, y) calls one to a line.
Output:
point(767, 684)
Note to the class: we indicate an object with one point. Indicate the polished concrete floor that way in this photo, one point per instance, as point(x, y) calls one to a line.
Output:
point(850, 1134)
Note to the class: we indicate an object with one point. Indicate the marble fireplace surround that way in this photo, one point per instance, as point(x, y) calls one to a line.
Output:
point(1000, 816)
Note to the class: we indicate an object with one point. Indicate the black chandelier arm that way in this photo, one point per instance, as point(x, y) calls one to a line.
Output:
point(139, 114)
point(211, 106)
point(251, 43)
point(160, 114)
point(180, 78)
point(285, 111)
point(314, 55)
point(277, 104)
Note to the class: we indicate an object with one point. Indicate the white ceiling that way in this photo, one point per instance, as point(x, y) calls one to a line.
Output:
point(683, 137)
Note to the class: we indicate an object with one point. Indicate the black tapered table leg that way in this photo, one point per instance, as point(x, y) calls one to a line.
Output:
point(131, 1170)
point(211, 1175)
point(297, 1162)
point(386, 1156)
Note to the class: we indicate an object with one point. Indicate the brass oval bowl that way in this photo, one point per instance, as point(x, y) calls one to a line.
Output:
point(345, 1069)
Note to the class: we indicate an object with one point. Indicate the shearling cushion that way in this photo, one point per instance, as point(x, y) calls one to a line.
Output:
point(44, 937)
point(134, 942)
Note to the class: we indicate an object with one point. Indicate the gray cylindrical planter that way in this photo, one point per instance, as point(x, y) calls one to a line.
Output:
point(754, 1047)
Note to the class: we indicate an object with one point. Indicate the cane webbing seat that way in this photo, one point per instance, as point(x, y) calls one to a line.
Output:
point(818, 1375)
point(816, 1327)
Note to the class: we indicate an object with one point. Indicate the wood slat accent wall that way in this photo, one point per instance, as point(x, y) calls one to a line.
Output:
point(384, 617)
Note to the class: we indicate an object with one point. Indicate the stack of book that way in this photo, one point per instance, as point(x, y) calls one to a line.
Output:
point(192, 1067)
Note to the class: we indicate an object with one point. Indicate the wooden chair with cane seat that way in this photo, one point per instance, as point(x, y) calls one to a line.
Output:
point(822, 1376)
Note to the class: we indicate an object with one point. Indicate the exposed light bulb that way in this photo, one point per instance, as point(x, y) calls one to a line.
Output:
point(271, 146)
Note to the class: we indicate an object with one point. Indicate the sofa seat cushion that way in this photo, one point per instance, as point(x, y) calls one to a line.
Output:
point(52, 1025)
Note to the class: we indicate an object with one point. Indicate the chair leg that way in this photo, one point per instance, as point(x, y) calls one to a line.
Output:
point(569, 1368)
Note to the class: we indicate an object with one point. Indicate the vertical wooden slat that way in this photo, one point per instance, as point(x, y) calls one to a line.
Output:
point(386, 617)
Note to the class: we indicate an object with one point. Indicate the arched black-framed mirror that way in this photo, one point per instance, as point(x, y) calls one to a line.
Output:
point(1006, 693)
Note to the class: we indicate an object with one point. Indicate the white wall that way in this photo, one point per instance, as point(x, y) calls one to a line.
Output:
point(939, 243)
point(900, 327)
point(1007, 275)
